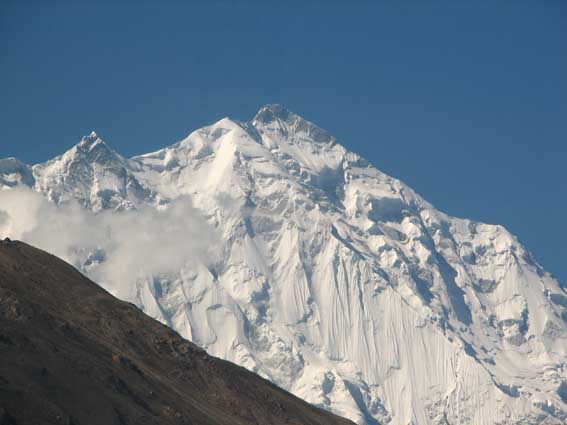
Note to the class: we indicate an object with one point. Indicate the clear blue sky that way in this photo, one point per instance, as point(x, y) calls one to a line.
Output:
point(465, 103)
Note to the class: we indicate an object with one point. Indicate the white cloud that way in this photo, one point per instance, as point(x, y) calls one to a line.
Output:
point(133, 243)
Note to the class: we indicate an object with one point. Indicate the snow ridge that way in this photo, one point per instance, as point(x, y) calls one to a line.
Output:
point(335, 281)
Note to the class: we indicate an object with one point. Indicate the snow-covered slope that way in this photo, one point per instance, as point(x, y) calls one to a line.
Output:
point(334, 280)
point(93, 174)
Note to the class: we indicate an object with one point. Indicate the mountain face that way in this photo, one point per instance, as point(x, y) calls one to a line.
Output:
point(73, 354)
point(333, 280)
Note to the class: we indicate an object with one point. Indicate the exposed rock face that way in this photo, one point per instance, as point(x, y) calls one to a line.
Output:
point(70, 353)
point(335, 281)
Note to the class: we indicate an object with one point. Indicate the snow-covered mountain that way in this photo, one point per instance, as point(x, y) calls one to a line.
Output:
point(334, 280)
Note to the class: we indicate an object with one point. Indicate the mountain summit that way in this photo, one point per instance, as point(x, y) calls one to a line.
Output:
point(277, 117)
point(338, 282)
point(90, 140)
point(271, 112)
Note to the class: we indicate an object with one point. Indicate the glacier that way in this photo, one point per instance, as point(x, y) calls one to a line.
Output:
point(333, 280)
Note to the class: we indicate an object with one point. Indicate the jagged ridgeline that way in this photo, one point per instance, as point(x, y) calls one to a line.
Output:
point(330, 278)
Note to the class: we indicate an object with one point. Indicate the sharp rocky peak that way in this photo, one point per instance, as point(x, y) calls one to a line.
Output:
point(272, 112)
point(276, 116)
point(93, 148)
point(88, 142)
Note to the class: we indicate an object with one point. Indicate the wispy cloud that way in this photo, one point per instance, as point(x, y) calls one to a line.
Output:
point(123, 246)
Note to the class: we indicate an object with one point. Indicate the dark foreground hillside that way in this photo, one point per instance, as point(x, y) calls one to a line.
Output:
point(70, 353)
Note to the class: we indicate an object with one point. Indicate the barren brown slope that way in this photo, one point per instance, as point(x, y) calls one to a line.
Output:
point(70, 353)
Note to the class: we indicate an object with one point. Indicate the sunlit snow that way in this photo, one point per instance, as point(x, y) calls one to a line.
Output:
point(328, 277)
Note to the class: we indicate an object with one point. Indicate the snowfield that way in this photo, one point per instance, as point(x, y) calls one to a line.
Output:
point(326, 276)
